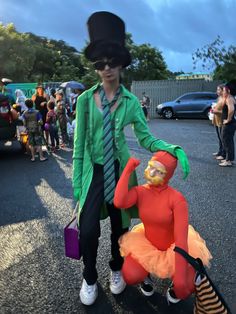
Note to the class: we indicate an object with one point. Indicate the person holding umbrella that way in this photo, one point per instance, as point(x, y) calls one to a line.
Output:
point(62, 117)
point(77, 89)
point(101, 152)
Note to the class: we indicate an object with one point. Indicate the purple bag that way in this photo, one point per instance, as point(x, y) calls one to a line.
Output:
point(46, 127)
point(71, 240)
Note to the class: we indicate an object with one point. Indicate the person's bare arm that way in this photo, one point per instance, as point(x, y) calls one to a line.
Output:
point(230, 103)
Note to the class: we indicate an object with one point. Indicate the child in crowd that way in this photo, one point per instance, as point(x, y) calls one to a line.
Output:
point(62, 117)
point(33, 122)
point(51, 125)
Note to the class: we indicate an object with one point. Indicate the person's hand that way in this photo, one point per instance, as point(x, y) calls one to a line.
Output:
point(75, 213)
point(42, 104)
point(183, 159)
point(132, 163)
point(225, 121)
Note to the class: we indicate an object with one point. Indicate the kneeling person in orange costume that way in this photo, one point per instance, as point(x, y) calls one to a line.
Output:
point(148, 247)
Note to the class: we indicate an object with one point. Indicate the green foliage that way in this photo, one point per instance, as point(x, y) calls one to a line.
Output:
point(215, 56)
point(147, 63)
point(26, 57)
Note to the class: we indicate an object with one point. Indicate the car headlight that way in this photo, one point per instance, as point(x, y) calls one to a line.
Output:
point(159, 106)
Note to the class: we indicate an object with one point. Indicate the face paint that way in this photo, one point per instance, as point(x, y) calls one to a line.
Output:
point(155, 173)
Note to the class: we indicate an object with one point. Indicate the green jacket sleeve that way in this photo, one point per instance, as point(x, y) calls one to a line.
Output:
point(144, 136)
point(79, 144)
point(149, 142)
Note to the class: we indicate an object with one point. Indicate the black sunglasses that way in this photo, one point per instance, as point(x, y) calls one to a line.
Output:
point(112, 63)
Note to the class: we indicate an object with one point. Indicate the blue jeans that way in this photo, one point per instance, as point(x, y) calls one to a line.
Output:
point(53, 132)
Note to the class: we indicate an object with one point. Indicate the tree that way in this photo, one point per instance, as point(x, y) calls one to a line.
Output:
point(147, 63)
point(215, 56)
point(16, 54)
point(26, 57)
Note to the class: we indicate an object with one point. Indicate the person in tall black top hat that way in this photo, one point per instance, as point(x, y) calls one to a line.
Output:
point(107, 38)
point(101, 152)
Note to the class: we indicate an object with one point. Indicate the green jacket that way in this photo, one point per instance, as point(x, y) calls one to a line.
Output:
point(127, 112)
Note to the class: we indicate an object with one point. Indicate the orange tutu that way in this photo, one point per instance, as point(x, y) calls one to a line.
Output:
point(160, 263)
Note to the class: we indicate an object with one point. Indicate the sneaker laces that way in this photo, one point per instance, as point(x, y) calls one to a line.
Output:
point(148, 281)
point(116, 276)
point(90, 288)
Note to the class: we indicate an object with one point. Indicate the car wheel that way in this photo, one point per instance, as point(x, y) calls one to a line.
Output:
point(167, 113)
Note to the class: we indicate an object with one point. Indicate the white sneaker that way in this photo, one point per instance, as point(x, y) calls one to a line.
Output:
point(88, 293)
point(147, 287)
point(117, 283)
point(170, 296)
point(219, 158)
point(226, 163)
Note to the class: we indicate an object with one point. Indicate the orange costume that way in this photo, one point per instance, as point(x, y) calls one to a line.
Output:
point(148, 247)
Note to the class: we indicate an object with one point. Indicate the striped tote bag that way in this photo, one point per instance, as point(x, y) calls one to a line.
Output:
point(208, 298)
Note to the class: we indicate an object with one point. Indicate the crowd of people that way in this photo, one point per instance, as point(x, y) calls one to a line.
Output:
point(57, 120)
point(46, 120)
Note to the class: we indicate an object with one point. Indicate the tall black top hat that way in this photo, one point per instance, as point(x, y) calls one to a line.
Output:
point(107, 38)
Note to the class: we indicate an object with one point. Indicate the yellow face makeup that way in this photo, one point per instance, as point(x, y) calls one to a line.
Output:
point(155, 173)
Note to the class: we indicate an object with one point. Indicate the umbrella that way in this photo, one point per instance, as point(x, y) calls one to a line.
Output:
point(73, 85)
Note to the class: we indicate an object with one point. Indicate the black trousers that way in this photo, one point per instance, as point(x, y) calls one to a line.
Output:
point(90, 226)
point(228, 140)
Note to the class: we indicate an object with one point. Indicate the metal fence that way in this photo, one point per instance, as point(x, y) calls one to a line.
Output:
point(166, 90)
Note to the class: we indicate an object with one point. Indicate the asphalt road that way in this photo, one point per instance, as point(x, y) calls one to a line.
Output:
point(36, 203)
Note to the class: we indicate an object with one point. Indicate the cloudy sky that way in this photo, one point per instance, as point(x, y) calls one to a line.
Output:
point(176, 27)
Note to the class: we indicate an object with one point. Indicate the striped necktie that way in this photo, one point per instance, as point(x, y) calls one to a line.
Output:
point(108, 153)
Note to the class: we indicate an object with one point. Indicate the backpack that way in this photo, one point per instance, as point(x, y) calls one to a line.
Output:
point(31, 121)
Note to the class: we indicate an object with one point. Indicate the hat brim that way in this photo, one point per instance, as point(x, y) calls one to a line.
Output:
point(100, 49)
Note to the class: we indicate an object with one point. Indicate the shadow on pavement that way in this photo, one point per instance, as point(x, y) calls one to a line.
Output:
point(19, 179)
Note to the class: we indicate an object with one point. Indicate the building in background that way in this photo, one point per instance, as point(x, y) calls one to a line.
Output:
point(195, 76)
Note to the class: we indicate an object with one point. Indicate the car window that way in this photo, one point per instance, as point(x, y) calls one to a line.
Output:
point(210, 97)
point(198, 97)
point(187, 97)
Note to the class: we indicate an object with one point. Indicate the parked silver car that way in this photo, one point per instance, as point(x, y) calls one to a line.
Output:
point(195, 105)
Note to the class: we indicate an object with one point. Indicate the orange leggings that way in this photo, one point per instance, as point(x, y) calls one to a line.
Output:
point(133, 273)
